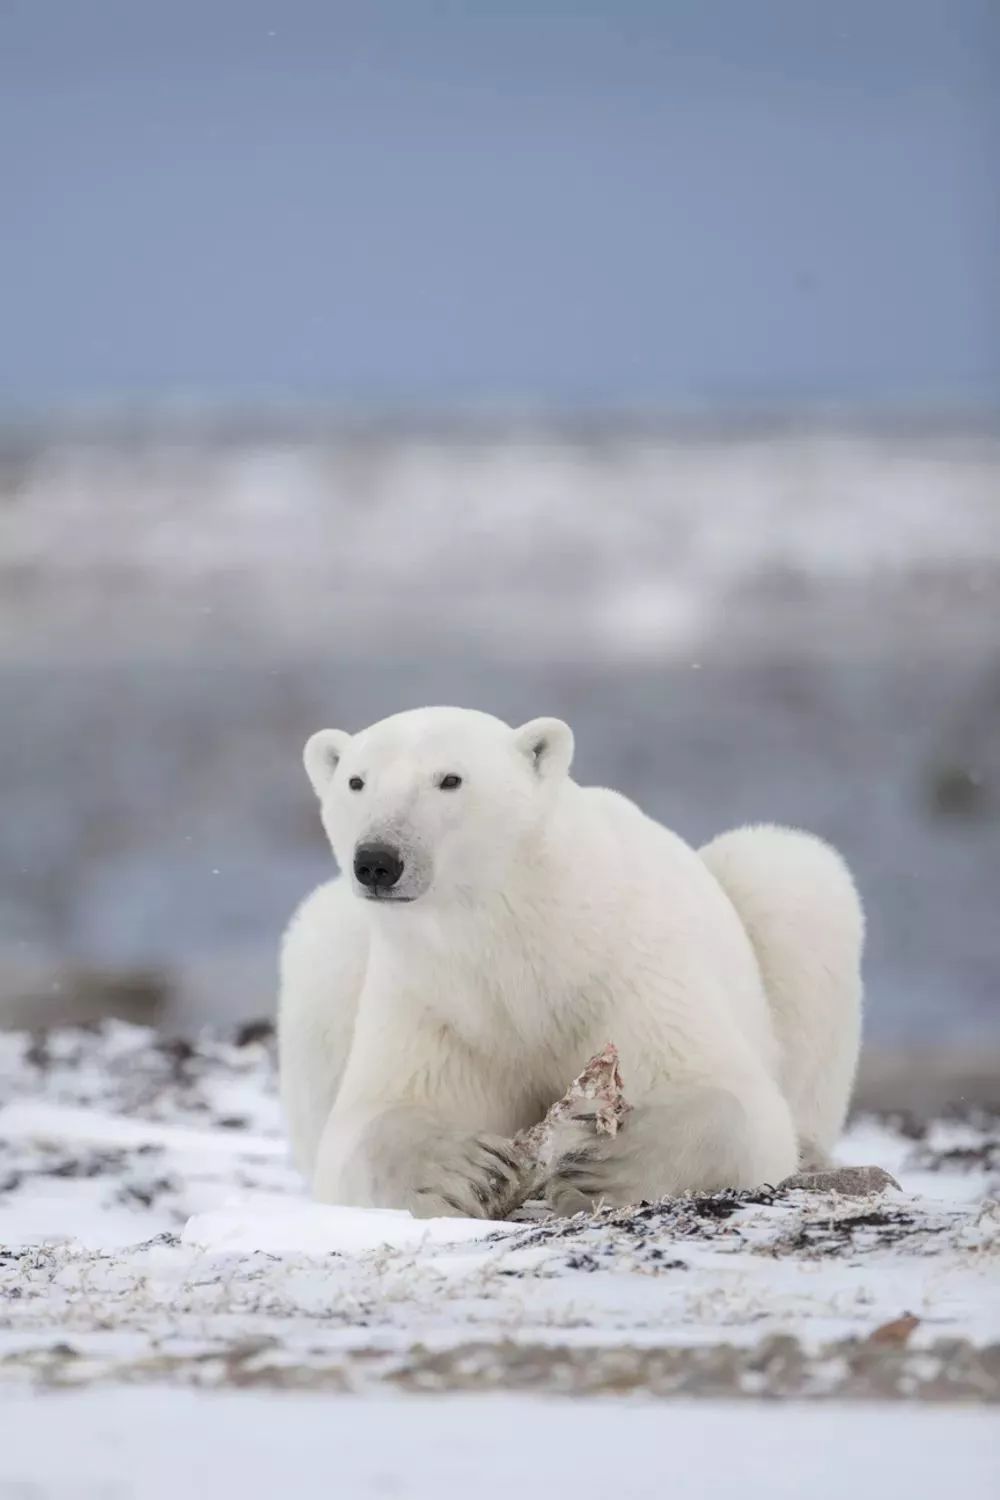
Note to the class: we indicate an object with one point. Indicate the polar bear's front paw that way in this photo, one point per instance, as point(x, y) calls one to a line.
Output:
point(700, 1139)
point(588, 1170)
point(473, 1177)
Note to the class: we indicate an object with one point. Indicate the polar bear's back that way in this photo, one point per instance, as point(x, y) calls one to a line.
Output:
point(676, 920)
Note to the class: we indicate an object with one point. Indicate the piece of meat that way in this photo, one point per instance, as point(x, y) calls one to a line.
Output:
point(599, 1084)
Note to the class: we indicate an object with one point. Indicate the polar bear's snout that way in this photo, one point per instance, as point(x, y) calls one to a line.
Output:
point(390, 866)
point(377, 867)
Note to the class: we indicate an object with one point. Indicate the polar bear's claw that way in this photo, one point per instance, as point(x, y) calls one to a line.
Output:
point(474, 1177)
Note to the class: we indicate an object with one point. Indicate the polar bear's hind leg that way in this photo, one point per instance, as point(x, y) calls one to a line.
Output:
point(803, 915)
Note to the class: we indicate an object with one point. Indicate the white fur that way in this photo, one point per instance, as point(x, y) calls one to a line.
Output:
point(540, 920)
point(801, 910)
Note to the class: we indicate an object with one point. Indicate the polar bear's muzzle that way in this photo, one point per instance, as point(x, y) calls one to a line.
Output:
point(378, 868)
point(385, 870)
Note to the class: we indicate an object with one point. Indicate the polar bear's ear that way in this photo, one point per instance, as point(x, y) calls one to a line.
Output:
point(548, 745)
point(321, 756)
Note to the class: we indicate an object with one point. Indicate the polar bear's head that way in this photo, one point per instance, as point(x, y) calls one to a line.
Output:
point(437, 803)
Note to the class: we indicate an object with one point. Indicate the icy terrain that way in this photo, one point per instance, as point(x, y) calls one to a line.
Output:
point(156, 1445)
point(153, 1229)
point(176, 1309)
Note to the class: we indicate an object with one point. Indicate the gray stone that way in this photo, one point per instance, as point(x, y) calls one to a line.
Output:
point(852, 1182)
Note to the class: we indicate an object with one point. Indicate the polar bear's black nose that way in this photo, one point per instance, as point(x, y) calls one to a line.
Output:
point(377, 866)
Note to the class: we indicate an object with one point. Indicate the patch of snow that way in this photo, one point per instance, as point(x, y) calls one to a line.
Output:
point(55, 1122)
point(257, 1222)
point(157, 1444)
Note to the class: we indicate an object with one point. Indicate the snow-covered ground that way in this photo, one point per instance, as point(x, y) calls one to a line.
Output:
point(160, 1445)
point(176, 1317)
point(153, 1230)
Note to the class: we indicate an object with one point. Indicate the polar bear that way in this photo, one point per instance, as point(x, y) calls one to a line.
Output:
point(496, 923)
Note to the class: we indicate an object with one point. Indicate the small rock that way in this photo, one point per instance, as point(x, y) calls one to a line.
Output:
point(252, 1032)
point(852, 1182)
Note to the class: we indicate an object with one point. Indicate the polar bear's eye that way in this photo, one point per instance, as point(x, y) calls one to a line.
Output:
point(356, 784)
point(450, 782)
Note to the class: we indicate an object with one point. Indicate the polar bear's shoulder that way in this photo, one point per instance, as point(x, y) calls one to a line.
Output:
point(614, 807)
point(617, 827)
point(619, 816)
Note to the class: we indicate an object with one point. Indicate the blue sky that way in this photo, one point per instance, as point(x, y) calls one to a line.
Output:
point(617, 203)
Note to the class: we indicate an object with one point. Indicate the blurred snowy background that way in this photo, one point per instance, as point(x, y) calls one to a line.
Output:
point(634, 363)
